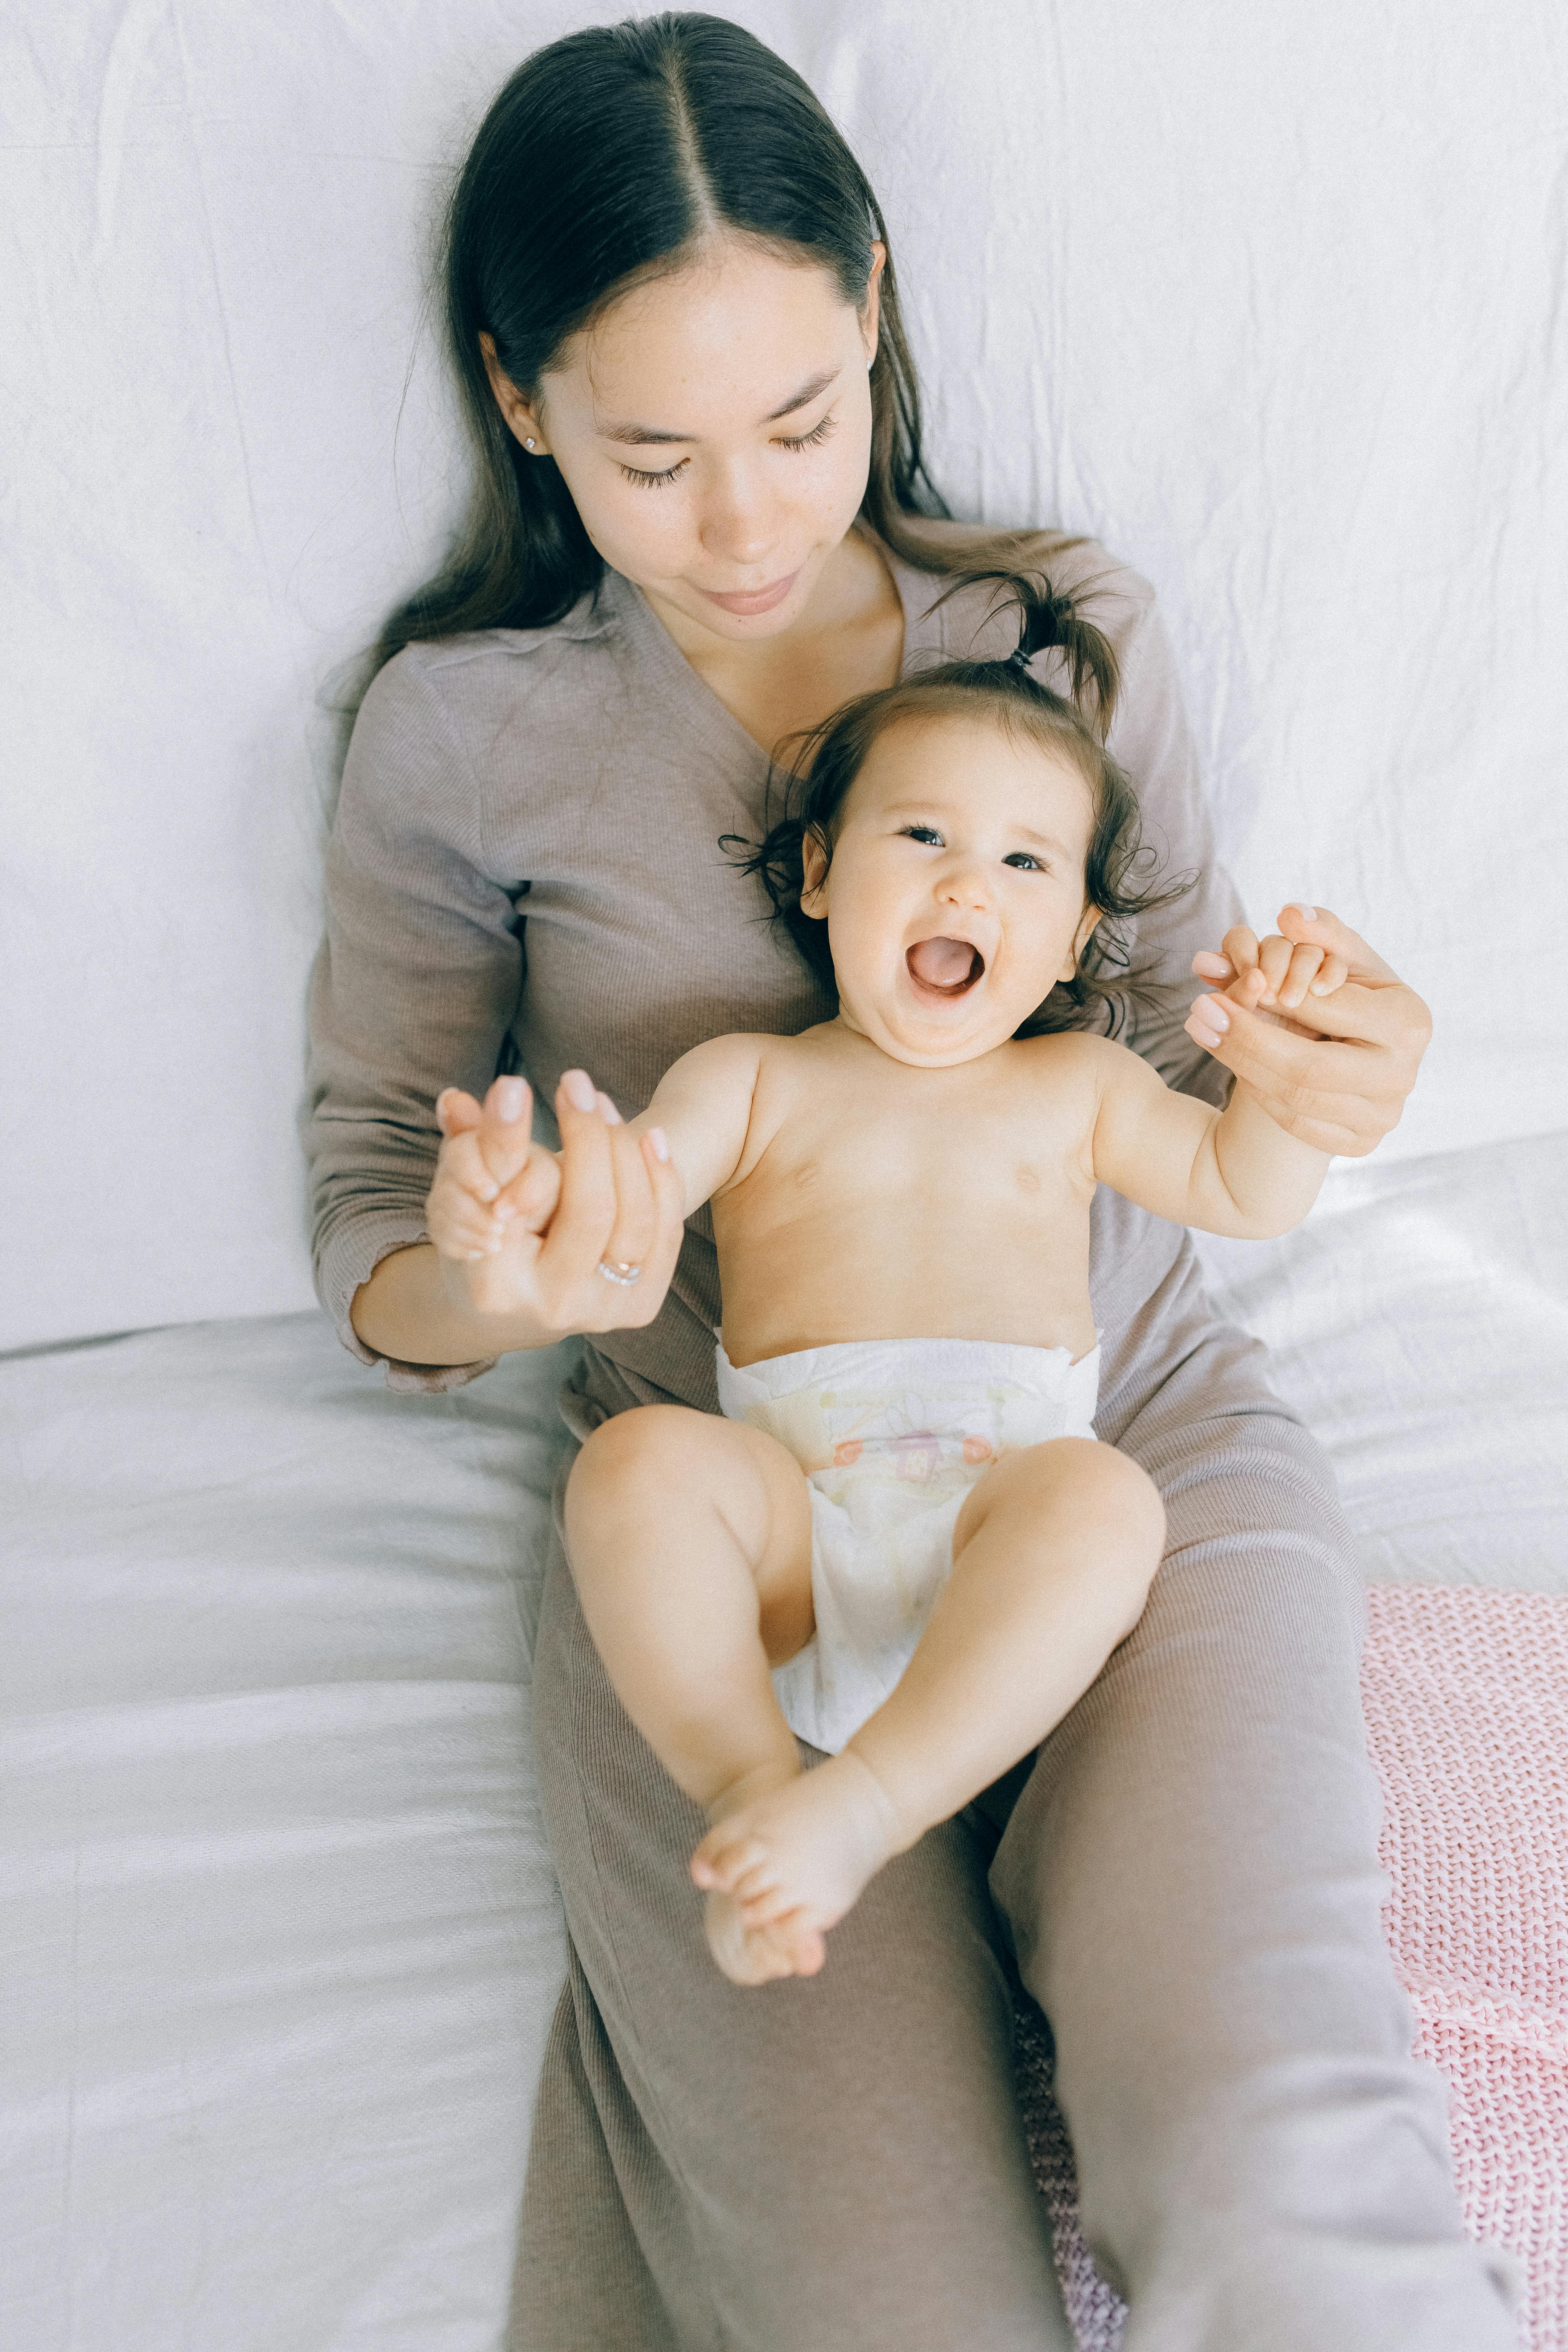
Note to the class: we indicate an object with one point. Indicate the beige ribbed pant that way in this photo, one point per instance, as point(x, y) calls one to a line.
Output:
point(1187, 1884)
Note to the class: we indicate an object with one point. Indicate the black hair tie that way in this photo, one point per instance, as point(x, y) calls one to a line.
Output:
point(1043, 624)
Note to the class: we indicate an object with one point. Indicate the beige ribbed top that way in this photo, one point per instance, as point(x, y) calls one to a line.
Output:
point(525, 872)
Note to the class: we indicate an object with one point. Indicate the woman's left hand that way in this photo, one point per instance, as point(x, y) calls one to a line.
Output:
point(1334, 1069)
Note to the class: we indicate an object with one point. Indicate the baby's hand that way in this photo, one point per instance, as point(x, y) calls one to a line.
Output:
point(1277, 977)
point(584, 1239)
point(489, 1172)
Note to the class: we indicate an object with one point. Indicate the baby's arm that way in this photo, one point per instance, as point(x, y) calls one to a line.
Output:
point(702, 1109)
point(1232, 1172)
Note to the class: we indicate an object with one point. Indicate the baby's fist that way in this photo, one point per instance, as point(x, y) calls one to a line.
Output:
point(1278, 974)
point(489, 1174)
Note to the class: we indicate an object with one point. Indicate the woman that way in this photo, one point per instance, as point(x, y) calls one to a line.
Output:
point(699, 527)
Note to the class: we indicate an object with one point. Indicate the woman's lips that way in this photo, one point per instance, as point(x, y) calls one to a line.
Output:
point(944, 967)
point(748, 601)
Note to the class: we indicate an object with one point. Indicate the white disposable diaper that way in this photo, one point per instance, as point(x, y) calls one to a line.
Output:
point(891, 1434)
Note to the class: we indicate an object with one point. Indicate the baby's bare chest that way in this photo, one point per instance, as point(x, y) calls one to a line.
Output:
point(943, 1159)
point(938, 1209)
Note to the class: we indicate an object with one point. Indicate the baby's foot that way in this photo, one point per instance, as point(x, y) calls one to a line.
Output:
point(785, 1863)
point(754, 1953)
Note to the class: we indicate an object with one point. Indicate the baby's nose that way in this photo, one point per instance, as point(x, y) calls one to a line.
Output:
point(967, 888)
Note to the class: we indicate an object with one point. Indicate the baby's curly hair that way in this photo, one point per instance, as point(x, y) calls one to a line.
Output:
point(1120, 871)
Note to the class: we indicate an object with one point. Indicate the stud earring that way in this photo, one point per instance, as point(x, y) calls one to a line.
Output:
point(528, 445)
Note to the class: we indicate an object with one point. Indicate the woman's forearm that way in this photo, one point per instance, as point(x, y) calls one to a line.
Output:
point(406, 1312)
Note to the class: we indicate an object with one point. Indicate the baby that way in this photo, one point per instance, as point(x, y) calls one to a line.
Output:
point(902, 1540)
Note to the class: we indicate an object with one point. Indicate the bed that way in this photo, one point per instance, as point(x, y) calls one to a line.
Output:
point(280, 1936)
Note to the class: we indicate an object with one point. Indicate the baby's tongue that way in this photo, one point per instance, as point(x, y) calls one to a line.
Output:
point(942, 963)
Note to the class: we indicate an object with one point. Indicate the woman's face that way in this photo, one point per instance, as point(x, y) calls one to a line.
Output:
point(714, 429)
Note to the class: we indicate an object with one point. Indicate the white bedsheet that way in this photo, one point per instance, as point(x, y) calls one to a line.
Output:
point(281, 1938)
point(1419, 1325)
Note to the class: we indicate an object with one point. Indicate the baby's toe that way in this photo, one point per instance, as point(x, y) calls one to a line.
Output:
point(722, 1856)
point(763, 1900)
point(740, 1957)
point(804, 1946)
point(758, 1879)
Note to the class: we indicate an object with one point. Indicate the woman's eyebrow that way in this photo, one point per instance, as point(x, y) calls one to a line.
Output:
point(808, 392)
point(804, 397)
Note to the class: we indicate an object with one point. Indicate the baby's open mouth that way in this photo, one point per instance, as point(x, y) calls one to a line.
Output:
point(949, 966)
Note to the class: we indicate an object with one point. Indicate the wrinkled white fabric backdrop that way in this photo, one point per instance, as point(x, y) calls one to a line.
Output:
point(1273, 302)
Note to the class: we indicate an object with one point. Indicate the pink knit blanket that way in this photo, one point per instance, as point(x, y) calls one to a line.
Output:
point(1466, 1695)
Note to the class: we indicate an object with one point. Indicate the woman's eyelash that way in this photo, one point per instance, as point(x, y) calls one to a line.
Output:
point(812, 440)
point(655, 481)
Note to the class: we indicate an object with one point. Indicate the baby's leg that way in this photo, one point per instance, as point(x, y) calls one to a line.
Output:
point(690, 1539)
point(1053, 1555)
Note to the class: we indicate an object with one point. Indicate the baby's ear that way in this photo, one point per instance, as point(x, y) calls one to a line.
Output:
point(814, 874)
point(1081, 937)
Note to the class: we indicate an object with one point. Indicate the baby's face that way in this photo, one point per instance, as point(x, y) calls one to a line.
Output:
point(954, 900)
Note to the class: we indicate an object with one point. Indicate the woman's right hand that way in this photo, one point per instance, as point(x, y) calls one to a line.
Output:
point(522, 1232)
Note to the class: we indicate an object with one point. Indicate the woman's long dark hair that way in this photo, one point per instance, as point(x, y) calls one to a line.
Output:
point(609, 157)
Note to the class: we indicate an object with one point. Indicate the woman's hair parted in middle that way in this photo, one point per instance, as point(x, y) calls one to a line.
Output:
point(615, 155)
point(1120, 871)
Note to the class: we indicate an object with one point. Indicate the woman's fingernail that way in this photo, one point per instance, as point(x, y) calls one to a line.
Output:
point(661, 1142)
point(578, 1089)
point(1208, 1039)
point(607, 1111)
point(1307, 914)
point(505, 1212)
point(1211, 1011)
point(510, 1094)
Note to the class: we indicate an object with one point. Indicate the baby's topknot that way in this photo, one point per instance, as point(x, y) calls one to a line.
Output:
point(1042, 628)
point(1050, 619)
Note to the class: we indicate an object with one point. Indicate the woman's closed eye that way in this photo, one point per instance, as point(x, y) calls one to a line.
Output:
point(655, 481)
point(794, 442)
point(812, 440)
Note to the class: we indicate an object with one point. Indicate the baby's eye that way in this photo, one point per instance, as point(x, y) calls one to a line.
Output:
point(1025, 862)
point(655, 481)
point(923, 833)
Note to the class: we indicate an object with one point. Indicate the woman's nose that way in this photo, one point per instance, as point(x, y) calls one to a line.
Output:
point(737, 520)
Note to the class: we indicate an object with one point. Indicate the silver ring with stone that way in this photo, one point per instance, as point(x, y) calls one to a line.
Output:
point(620, 1271)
